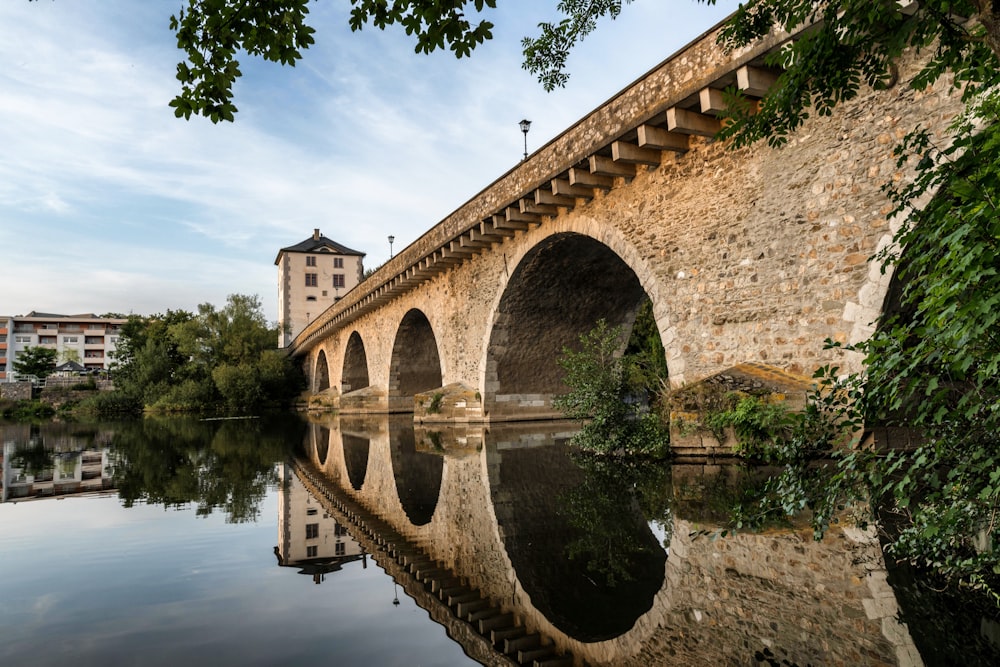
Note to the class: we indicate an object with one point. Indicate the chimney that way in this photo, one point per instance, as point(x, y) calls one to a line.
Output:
point(315, 234)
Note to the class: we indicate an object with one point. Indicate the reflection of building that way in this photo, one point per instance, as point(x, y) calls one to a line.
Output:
point(308, 537)
point(89, 339)
point(312, 276)
point(31, 471)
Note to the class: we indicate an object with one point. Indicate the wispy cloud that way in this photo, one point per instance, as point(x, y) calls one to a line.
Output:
point(127, 207)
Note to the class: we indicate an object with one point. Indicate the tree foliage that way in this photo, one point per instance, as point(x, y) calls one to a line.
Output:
point(213, 33)
point(602, 395)
point(213, 360)
point(933, 365)
point(38, 361)
point(845, 45)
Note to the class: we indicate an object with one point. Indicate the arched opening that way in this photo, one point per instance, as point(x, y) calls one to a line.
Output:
point(321, 377)
point(418, 474)
point(355, 375)
point(578, 541)
point(415, 365)
point(558, 291)
point(356, 459)
point(322, 435)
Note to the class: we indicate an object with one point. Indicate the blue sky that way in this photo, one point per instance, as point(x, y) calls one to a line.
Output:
point(109, 203)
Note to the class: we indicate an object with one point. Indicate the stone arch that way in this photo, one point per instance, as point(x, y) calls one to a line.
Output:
point(355, 375)
point(417, 474)
point(559, 290)
point(416, 363)
point(322, 444)
point(321, 375)
point(537, 490)
point(356, 459)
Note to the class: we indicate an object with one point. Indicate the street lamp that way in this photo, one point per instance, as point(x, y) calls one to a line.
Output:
point(525, 126)
point(391, 239)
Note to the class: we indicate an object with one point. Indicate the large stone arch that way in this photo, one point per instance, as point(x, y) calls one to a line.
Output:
point(560, 288)
point(321, 376)
point(416, 363)
point(355, 373)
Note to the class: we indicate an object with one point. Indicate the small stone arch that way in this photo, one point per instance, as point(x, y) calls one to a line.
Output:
point(416, 362)
point(321, 375)
point(355, 375)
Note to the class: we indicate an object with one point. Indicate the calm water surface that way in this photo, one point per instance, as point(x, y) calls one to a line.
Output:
point(281, 542)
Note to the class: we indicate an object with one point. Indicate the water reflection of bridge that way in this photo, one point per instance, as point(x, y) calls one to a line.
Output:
point(472, 522)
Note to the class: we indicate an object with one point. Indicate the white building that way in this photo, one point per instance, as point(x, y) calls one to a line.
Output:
point(308, 537)
point(312, 276)
point(87, 339)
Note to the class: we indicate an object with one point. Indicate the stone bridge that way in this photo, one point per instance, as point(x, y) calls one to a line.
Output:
point(478, 516)
point(749, 256)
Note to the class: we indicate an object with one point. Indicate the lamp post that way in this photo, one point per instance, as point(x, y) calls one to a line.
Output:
point(391, 239)
point(525, 126)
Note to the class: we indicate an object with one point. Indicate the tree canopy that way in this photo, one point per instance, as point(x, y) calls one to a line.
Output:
point(218, 359)
point(37, 361)
point(212, 34)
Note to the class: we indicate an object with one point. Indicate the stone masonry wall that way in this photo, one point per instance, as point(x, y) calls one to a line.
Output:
point(753, 255)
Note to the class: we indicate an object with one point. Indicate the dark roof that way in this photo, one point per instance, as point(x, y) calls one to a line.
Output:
point(70, 366)
point(314, 244)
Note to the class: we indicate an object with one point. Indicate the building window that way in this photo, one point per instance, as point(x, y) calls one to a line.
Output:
point(338, 262)
point(310, 260)
point(312, 531)
point(339, 530)
point(22, 339)
point(71, 339)
point(311, 280)
point(311, 511)
point(311, 298)
point(93, 354)
point(338, 280)
point(340, 549)
point(312, 551)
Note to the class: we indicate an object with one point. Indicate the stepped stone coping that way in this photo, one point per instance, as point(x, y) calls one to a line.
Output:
point(656, 114)
point(453, 604)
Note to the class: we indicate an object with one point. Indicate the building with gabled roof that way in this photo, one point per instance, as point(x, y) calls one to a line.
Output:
point(312, 276)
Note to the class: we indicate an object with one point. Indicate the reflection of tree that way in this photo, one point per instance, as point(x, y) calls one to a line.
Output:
point(32, 457)
point(224, 465)
point(604, 508)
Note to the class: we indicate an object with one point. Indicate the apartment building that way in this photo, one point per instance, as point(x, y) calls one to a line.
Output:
point(312, 276)
point(87, 338)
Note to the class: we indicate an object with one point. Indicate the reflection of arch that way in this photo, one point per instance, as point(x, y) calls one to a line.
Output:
point(322, 444)
point(321, 378)
point(355, 375)
point(418, 475)
point(356, 459)
point(416, 365)
point(559, 290)
point(537, 492)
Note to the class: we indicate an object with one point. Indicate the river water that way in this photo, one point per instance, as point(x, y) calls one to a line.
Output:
point(366, 541)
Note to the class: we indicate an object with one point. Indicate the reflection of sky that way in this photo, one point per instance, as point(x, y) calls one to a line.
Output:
point(85, 582)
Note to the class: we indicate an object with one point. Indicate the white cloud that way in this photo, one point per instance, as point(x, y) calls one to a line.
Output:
point(362, 139)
